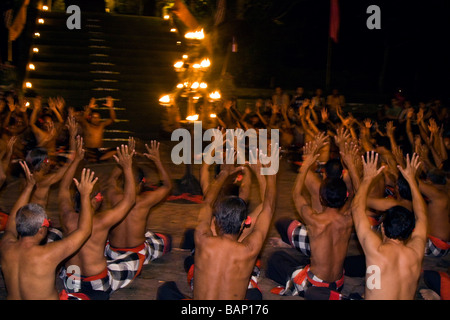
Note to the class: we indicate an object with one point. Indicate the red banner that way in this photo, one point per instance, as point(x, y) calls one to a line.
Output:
point(334, 20)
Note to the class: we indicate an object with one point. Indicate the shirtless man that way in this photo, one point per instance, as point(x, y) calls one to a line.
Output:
point(90, 260)
point(46, 134)
point(323, 236)
point(224, 262)
point(38, 160)
point(131, 233)
point(28, 267)
point(94, 128)
point(434, 189)
point(397, 255)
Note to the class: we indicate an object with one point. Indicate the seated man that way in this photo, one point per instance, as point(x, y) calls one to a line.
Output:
point(28, 267)
point(435, 190)
point(226, 255)
point(131, 233)
point(223, 262)
point(94, 128)
point(253, 292)
point(323, 237)
point(99, 276)
point(396, 257)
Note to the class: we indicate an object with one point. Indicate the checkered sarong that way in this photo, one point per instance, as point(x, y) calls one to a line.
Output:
point(118, 274)
point(123, 266)
point(298, 235)
point(302, 279)
point(436, 247)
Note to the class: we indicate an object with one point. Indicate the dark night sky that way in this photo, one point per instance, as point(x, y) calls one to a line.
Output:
point(412, 46)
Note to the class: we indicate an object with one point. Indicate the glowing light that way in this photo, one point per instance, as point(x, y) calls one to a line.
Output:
point(213, 115)
point(196, 66)
point(185, 56)
point(173, 30)
point(196, 35)
point(31, 66)
point(205, 63)
point(35, 50)
point(37, 34)
point(179, 64)
point(180, 86)
point(41, 21)
point(195, 85)
point(215, 95)
point(203, 85)
point(165, 100)
point(193, 117)
point(166, 17)
point(28, 85)
point(27, 104)
point(45, 8)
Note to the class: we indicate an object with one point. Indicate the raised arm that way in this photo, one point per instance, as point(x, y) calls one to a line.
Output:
point(59, 250)
point(110, 217)
point(204, 218)
point(256, 238)
point(419, 234)
point(367, 238)
point(64, 196)
point(310, 155)
point(24, 198)
point(152, 198)
point(34, 115)
point(112, 113)
point(350, 155)
point(54, 105)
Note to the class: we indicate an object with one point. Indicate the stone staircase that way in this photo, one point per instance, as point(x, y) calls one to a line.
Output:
point(127, 57)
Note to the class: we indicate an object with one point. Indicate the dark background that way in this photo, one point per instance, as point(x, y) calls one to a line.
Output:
point(285, 43)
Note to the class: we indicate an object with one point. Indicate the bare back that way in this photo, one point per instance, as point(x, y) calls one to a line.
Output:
point(329, 234)
point(399, 268)
point(439, 217)
point(222, 269)
point(130, 232)
point(28, 272)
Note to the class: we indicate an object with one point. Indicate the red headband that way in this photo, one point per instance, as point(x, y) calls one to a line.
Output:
point(46, 223)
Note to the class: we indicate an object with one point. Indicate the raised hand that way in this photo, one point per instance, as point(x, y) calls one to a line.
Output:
point(153, 151)
point(28, 175)
point(370, 166)
point(350, 153)
point(87, 182)
point(79, 151)
point(390, 128)
point(310, 154)
point(71, 125)
point(109, 102)
point(92, 103)
point(124, 157)
point(410, 170)
point(342, 135)
point(131, 144)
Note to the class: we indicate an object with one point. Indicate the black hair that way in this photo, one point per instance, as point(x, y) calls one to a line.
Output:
point(398, 223)
point(35, 158)
point(437, 176)
point(404, 190)
point(333, 168)
point(230, 212)
point(333, 193)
